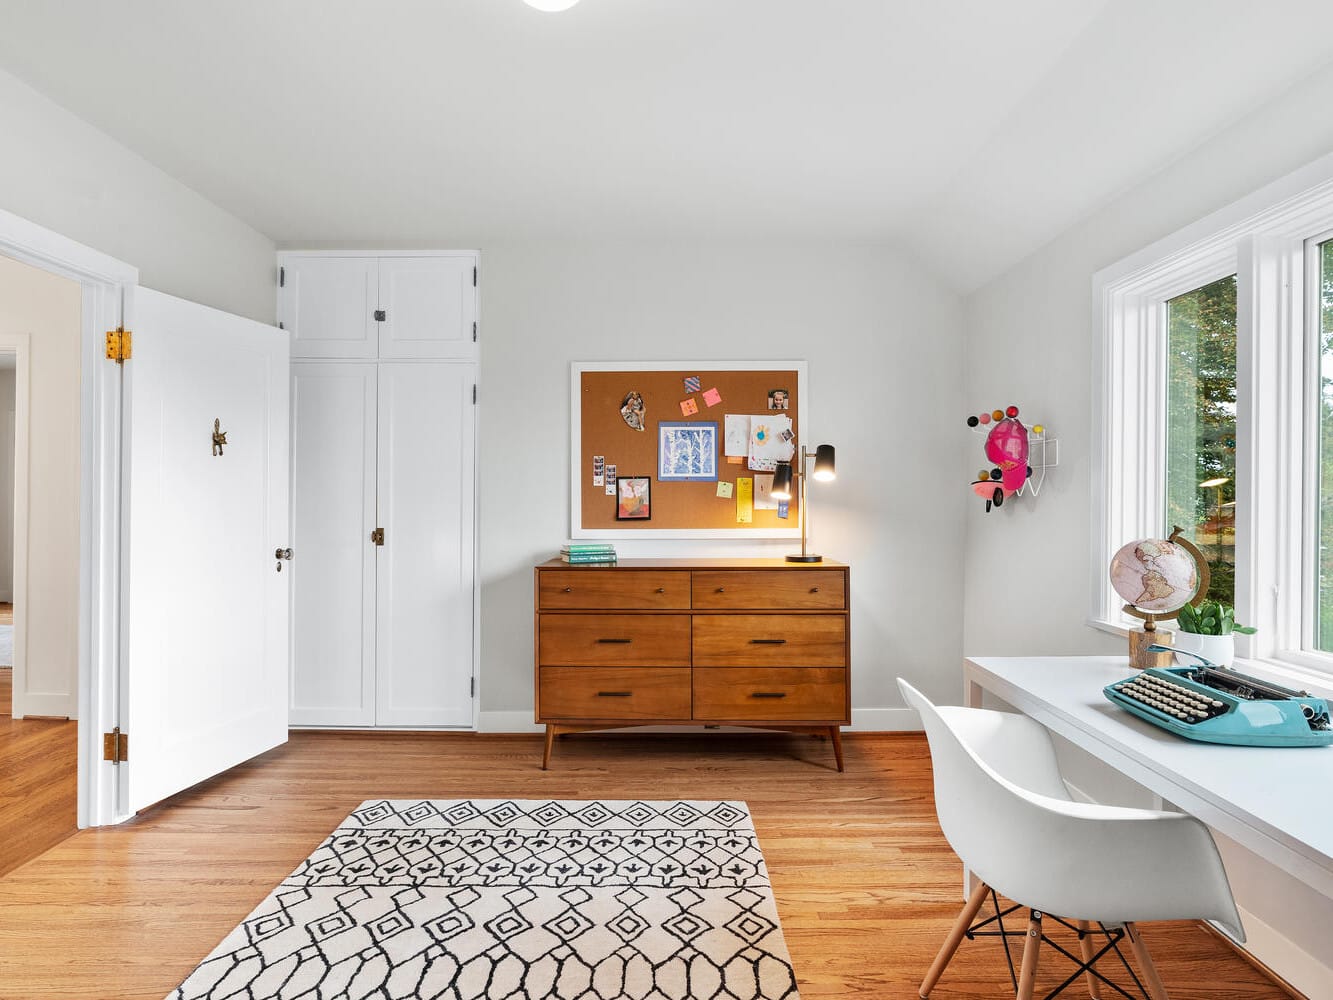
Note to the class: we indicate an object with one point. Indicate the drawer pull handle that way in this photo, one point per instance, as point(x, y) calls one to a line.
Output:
point(614, 694)
point(769, 694)
point(622, 642)
point(767, 642)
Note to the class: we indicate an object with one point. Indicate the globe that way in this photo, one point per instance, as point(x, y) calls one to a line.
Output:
point(1155, 575)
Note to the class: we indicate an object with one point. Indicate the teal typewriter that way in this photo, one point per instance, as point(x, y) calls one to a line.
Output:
point(1219, 705)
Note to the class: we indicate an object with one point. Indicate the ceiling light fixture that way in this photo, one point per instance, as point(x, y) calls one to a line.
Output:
point(551, 6)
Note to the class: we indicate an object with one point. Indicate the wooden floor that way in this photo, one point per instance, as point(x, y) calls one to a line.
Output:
point(866, 885)
point(38, 765)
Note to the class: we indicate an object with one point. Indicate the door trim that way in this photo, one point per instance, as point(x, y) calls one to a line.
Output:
point(108, 287)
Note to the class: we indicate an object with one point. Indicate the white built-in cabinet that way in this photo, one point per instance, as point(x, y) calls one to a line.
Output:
point(383, 484)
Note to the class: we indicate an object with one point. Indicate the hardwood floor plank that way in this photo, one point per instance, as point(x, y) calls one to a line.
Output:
point(38, 787)
point(865, 883)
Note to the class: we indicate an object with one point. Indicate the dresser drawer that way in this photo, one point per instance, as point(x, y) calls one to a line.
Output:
point(785, 589)
point(776, 694)
point(770, 641)
point(613, 589)
point(613, 640)
point(615, 693)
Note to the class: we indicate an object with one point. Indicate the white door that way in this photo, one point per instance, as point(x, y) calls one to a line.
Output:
point(205, 613)
point(425, 567)
point(429, 306)
point(327, 305)
point(333, 514)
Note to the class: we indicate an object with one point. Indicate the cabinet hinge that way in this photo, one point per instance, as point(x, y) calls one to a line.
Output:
point(380, 315)
point(473, 688)
point(116, 746)
point(280, 326)
point(119, 345)
point(282, 277)
point(474, 277)
point(474, 331)
point(474, 393)
point(377, 536)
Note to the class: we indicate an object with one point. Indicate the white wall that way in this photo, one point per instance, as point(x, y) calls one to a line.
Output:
point(1029, 340)
point(8, 387)
point(883, 346)
point(49, 310)
point(62, 173)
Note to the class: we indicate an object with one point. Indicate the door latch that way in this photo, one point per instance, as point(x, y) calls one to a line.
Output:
point(377, 536)
point(280, 555)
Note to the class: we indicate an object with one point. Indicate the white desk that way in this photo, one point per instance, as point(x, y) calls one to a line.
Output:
point(1274, 801)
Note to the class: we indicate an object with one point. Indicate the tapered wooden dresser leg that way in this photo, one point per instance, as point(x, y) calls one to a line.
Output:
point(550, 738)
point(1027, 975)
point(835, 734)
point(955, 937)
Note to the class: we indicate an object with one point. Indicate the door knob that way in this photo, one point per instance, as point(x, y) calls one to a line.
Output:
point(280, 554)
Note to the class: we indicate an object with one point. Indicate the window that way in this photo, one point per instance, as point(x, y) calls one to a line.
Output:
point(1201, 427)
point(1213, 411)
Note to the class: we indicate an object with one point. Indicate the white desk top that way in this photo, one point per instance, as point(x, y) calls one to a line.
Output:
point(1275, 801)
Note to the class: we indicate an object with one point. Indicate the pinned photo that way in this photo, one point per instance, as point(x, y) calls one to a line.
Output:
point(778, 399)
point(631, 409)
point(633, 499)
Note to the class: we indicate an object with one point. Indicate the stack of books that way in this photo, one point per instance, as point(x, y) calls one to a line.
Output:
point(588, 554)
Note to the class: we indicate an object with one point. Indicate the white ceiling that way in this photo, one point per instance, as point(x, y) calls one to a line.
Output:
point(471, 122)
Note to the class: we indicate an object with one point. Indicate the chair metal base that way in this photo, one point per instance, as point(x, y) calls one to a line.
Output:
point(1091, 949)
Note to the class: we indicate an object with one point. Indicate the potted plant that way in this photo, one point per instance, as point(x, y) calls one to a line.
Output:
point(1209, 631)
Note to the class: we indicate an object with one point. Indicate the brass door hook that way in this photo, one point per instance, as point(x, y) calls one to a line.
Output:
point(219, 437)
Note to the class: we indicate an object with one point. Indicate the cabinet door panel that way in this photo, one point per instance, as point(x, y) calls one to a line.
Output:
point(333, 569)
point(425, 567)
point(327, 304)
point(429, 306)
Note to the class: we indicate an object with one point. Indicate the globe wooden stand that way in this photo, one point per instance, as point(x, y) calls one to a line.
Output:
point(1140, 639)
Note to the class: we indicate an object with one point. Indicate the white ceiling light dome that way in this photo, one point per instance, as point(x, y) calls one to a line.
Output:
point(551, 5)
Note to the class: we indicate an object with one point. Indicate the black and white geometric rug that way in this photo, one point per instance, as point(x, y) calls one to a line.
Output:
point(479, 899)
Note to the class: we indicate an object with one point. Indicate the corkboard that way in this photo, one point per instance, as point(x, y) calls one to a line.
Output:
point(677, 507)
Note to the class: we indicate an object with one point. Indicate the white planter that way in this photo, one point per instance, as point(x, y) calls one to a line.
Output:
point(1216, 649)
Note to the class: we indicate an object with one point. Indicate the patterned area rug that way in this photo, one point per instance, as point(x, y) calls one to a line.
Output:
point(516, 900)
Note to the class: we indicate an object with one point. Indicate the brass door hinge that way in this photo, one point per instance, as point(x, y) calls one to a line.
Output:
point(119, 345)
point(377, 536)
point(116, 746)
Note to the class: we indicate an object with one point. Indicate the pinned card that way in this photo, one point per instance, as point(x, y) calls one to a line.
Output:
point(763, 492)
point(688, 407)
point(724, 490)
point(736, 435)
point(610, 480)
point(693, 383)
point(744, 501)
point(783, 505)
point(712, 397)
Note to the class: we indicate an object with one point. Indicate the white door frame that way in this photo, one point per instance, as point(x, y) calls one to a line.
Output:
point(108, 293)
point(18, 345)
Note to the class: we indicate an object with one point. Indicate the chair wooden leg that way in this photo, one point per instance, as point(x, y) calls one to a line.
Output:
point(1087, 949)
point(835, 735)
point(546, 755)
point(1027, 975)
point(955, 937)
point(1150, 977)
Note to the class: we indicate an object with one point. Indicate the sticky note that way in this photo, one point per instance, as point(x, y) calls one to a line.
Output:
point(744, 501)
point(688, 407)
point(724, 490)
point(693, 383)
point(712, 397)
point(735, 459)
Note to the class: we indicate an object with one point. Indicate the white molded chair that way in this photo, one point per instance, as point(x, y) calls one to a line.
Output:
point(1006, 812)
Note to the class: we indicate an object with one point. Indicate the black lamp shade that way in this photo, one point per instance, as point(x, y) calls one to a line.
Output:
point(824, 465)
point(782, 481)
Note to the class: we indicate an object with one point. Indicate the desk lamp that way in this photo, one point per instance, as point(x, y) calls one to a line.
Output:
point(782, 477)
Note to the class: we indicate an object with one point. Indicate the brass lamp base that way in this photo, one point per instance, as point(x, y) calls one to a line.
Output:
point(805, 559)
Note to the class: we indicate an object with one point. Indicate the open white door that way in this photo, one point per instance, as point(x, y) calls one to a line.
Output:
point(206, 613)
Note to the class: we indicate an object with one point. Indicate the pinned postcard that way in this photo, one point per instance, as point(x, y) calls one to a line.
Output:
point(599, 470)
point(693, 383)
point(782, 508)
point(766, 446)
point(744, 501)
point(763, 492)
point(724, 489)
point(688, 407)
point(712, 397)
point(736, 438)
point(610, 480)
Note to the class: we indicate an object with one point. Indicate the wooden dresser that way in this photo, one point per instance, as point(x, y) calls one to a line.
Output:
point(717, 642)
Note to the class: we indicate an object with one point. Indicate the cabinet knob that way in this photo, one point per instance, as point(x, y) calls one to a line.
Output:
point(661, 590)
point(721, 590)
point(569, 590)
point(814, 590)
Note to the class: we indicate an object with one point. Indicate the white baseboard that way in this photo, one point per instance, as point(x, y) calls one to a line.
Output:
point(1298, 967)
point(864, 720)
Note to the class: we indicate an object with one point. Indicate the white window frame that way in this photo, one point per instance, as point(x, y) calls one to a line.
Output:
point(1263, 240)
